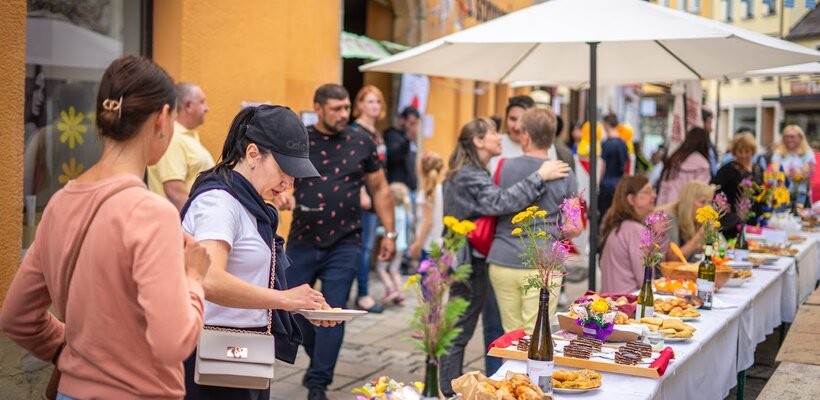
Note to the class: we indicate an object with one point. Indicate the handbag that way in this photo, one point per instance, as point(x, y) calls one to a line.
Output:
point(54, 380)
point(481, 238)
point(237, 358)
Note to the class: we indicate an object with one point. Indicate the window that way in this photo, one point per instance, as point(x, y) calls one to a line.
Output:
point(68, 46)
point(769, 7)
point(745, 117)
point(727, 10)
point(747, 8)
point(694, 6)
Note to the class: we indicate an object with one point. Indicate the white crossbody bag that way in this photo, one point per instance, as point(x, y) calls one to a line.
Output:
point(237, 358)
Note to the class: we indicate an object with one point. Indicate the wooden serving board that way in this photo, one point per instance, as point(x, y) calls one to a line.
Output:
point(515, 354)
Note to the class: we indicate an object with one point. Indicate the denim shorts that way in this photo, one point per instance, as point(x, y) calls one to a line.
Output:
point(61, 396)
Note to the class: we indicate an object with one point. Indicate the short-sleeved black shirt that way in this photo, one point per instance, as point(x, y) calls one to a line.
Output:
point(343, 160)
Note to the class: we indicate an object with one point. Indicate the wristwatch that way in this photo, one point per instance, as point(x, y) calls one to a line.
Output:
point(391, 235)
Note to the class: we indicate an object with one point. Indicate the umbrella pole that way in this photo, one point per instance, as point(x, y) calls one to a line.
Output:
point(592, 114)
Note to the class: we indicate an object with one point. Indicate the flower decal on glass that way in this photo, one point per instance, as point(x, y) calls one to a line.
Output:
point(70, 171)
point(71, 127)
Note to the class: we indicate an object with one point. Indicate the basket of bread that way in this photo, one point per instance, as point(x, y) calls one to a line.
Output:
point(476, 386)
point(689, 271)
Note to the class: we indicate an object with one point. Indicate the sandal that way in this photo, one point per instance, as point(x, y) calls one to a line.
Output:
point(391, 295)
point(375, 308)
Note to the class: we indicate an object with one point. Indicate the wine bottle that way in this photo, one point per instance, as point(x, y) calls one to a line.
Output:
point(706, 278)
point(741, 245)
point(540, 358)
point(646, 299)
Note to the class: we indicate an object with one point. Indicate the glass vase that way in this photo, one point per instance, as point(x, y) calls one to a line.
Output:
point(430, 391)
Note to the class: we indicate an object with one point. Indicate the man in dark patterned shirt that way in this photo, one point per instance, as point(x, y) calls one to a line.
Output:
point(324, 241)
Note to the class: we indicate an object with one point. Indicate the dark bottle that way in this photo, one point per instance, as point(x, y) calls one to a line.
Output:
point(741, 245)
point(646, 299)
point(706, 278)
point(540, 358)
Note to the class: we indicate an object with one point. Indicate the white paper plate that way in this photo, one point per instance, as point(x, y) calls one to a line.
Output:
point(572, 391)
point(736, 282)
point(667, 339)
point(739, 264)
point(332, 315)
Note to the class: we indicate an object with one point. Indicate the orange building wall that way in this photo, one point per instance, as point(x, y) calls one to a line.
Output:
point(12, 69)
point(250, 50)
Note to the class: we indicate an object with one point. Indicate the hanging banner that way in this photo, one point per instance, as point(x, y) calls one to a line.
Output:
point(690, 93)
point(414, 92)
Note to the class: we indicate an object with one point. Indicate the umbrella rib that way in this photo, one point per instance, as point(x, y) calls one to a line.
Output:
point(519, 61)
point(679, 60)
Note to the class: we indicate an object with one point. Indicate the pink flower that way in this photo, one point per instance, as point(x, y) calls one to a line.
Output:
point(571, 211)
point(721, 203)
point(425, 265)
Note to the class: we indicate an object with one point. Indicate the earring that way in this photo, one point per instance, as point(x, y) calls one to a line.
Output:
point(161, 135)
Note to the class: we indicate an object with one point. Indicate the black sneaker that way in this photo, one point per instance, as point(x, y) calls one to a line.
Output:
point(316, 393)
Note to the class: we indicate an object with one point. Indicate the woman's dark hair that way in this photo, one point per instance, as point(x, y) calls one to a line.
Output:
point(522, 101)
point(236, 143)
point(697, 140)
point(621, 210)
point(131, 89)
point(465, 152)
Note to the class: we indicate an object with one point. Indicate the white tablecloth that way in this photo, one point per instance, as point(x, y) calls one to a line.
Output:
point(706, 366)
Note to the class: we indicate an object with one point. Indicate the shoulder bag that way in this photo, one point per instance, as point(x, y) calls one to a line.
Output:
point(237, 358)
point(54, 381)
point(481, 238)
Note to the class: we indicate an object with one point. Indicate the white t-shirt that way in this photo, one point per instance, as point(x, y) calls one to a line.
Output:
point(216, 215)
point(511, 149)
point(438, 216)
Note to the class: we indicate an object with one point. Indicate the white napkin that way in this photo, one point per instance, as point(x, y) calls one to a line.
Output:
point(718, 304)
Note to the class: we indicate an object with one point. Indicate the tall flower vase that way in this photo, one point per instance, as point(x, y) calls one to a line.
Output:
point(430, 380)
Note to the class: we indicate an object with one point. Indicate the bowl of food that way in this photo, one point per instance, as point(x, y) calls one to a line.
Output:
point(679, 270)
point(689, 271)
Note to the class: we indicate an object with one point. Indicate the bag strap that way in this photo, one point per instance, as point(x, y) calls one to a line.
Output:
point(75, 254)
point(497, 175)
point(269, 331)
point(75, 251)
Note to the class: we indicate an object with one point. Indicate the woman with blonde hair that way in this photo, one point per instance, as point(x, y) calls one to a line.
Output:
point(794, 156)
point(429, 206)
point(729, 176)
point(368, 110)
point(683, 230)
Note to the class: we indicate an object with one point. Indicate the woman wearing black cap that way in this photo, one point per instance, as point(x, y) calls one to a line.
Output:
point(266, 148)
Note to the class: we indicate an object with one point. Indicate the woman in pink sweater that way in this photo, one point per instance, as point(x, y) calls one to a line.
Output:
point(690, 162)
point(621, 266)
point(134, 308)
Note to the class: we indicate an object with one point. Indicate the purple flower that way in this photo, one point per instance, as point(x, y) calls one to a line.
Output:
point(721, 203)
point(654, 238)
point(571, 211)
point(425, 265)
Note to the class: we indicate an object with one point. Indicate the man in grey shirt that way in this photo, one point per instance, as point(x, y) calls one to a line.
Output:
point(507, 271)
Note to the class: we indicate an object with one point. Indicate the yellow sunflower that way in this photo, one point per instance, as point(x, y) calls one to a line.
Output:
point(450, 221)
point(599, 306)
point(71, 127)
point(522, 216)
point(517, 231)
point(781, 196)
point(463, 227)
point(70, 171)
point(706, 213)
point(541, 213)
point(532, 208)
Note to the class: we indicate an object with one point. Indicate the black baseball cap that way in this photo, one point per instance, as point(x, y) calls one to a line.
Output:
point(278, 129)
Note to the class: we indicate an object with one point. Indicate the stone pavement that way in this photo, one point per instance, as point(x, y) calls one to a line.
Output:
point(376, 345)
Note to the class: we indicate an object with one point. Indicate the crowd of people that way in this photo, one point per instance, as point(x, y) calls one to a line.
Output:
point(202, 249)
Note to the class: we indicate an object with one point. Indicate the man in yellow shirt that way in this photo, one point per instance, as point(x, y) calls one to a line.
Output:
point(186, 157)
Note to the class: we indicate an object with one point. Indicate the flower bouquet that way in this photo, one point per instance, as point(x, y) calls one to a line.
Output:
point(385, 388)
point(547, 259)
point(435, 316)
point(709, 217)
point(773, 196)
point(596, 317)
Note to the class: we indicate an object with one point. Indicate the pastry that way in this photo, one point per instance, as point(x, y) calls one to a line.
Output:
point(524, 343)
point(627, 358)
point(577, 352)
point(643, 349)
point(581, 379)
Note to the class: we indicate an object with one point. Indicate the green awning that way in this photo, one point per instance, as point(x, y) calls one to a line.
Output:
point(361, 46)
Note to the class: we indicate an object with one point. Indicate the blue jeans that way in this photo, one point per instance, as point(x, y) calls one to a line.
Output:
point(61, 396)
point(370, 221)
point(332, 266)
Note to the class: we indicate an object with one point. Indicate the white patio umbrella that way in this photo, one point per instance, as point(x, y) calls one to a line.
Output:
point(55, 42)
point(799, 69)
point(561, 41)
